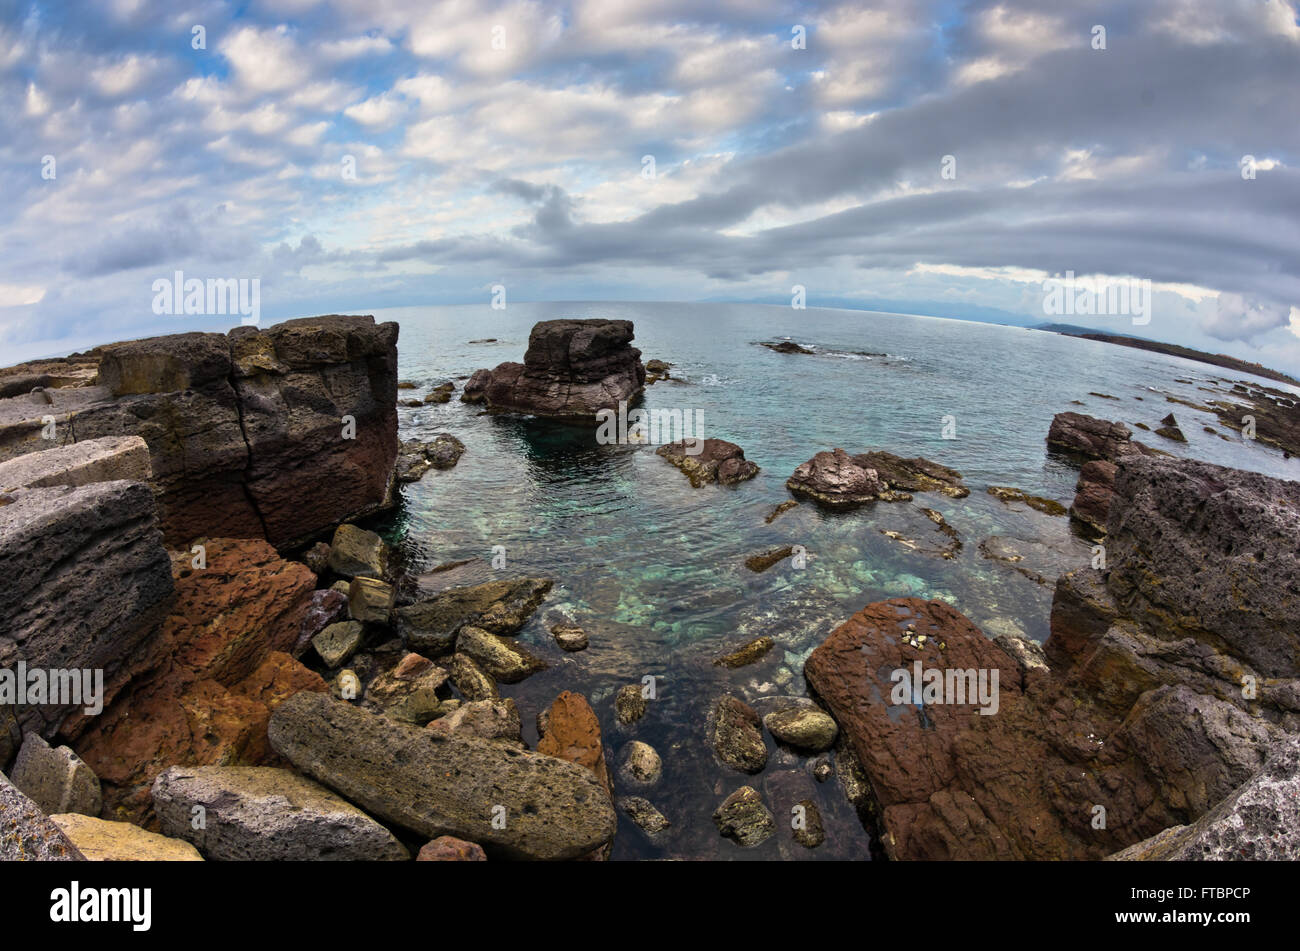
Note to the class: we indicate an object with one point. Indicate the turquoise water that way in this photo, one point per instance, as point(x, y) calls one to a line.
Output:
point(653, 569)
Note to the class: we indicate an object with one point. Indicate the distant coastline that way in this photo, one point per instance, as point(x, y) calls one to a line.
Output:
point(1173, 350)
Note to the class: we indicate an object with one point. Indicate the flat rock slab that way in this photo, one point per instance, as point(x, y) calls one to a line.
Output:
point(543, 807)
point(263, 814)
point(94, 460)
point(102, 841)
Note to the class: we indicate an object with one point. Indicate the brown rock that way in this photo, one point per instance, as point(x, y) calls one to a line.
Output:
point(712, 460)
point(448, 848)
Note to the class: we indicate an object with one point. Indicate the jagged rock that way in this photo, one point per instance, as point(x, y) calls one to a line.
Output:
point(1257, 822)
point(418, 456)
point(913, 475)
point(837, 481)
point(710, 460)
point(56, 779)
point(737, 736)
point(787, 346)
point(357, 553)
point(750, 653)
point(496, 720)
point(206, 695)
point(1092, 438)
point(744, 819)
point(102, 841)
point(435, 785)
point(629, 704)
point(370, 601)
point(1092, 497)
point(338, 642)
point(500, 607)
point(256, 813)
point(448, 848)
point(780, 510)
point(1027, 654)
point(245, 430)
point(87, 584)
point(802, 727)
point(640, 766)
point(327, 607)
point(408, 691)
point(644, 814)
point(27, 834)
point(471, 680)
point(572, 369)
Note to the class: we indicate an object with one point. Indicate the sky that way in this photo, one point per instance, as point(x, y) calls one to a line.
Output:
point(943, 158)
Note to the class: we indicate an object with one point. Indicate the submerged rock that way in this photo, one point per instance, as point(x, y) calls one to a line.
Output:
point(504, 660)
point(764, 560)
point(640, 765)
point(803, 727)
point(263, 814)
point(744, 819)
point(436, 785)
point(737, 736)
point(713, 460)
point(572, 369)
point(499, 607)
point(781, 510)
point(751, 653)
point(644, 814)
point(629, 704)
point(913, 475)
point(1010, 494)
point(810, 833)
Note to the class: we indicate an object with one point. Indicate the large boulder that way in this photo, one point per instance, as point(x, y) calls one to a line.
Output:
point(277, 433)
point(572, 369)
point(512, 802)
point(1088, 437)
point(55, 778)
point(499, 607)
point(87, 583)
point(261, 814)
point(913, 475)
point(837, 480)
point(1257, 822)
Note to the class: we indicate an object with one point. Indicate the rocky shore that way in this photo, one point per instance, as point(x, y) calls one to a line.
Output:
point(193, 527)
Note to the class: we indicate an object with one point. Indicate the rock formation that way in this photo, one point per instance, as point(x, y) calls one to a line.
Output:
point(572, 368)
point(246, 431)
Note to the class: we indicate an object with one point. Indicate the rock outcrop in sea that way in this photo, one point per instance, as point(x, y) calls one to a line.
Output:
point(572, 369)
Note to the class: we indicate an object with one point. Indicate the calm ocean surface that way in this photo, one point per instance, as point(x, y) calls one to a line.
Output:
point(653, 569)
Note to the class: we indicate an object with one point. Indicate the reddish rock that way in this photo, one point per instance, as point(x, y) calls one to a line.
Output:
point(573, 733)
point(1092, 496)
point(835, 480)
point(326, 607)
point(448, 848)
point(224, 669)
point(1092, 438)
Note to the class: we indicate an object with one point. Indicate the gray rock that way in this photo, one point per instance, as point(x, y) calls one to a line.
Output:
point(1258, 822)
point(802, 727)
point(56, 779)
point(338, 642)
point(87, 583)
point(109, 459)
point(256, 813)
point(744, 819)
point(544, 807)
point(27, 834)
point(356, 552)
point(485, 720)
point(408, 691)
point(505, 661)
point(569, 638)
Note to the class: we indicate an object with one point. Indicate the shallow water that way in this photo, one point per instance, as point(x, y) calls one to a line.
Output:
point(653, 569)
